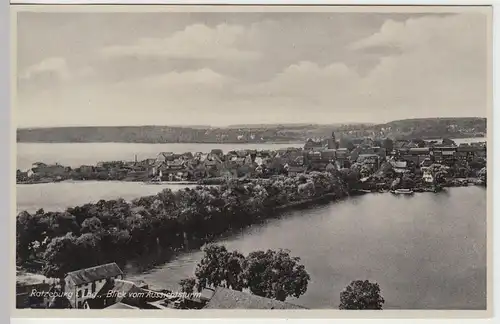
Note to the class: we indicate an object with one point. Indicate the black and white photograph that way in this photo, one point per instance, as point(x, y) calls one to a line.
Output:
point(252, 157)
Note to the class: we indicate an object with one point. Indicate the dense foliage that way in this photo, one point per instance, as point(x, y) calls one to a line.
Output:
point(117, 230)
point(271, 274)
point(187, 285)
point(361, 294)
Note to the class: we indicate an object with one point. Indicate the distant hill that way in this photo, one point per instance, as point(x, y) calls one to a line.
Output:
point(427, 128)
point(294, 125)
point(408, 128)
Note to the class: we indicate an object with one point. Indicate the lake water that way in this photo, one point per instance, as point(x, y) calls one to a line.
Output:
point(427, 251)
point(59, 196)
point(77, 154)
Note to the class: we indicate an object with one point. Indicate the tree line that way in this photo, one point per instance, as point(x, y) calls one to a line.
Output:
point(271, 274)
point(55, 243)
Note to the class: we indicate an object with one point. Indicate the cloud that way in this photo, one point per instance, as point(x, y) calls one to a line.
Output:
point(439, 70)
point(85, 71)
point(442, 66)
point(196, 41)
point(185, 85)
point(414, 33)
point(307, 79)
point(57, 66)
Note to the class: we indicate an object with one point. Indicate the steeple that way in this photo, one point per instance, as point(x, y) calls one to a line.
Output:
point(332, 143)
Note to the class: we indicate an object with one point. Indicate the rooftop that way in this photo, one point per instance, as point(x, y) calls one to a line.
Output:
point(293, 168)
point(224, 298)
point(399, 164)
point(121, 306)
point(87, 275)
point(419, 150)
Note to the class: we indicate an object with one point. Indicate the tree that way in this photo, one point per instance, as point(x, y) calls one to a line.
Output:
point(346, 143)
point(220, 268)
point(361, 294)
point(61, 256)
point(271, 274)
point(29, 234)
point(187, 285)
point(388, 144)
point(275, 274)
point(407, 181)
point(89, 250)
point(448, 142)
point(439, 173)
point(91, 225)
point(477, 163)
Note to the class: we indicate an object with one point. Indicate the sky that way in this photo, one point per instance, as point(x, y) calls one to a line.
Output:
point(209, 68)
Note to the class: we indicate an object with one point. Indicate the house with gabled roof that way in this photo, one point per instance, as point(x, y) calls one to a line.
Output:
point(165, 156)
point(119, 291)
point(400, 166)
point(293, 170)
point(81, 284)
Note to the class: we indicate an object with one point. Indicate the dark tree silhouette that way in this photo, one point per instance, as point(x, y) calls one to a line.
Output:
point(119, 231)
point(187, 285)
point(388, 144)
point(271, 274)
point(361, 294)
point(220, 268)
point(275, 274)
point(449, 142)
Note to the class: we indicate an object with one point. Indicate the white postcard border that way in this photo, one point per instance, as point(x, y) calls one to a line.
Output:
point(9, 138)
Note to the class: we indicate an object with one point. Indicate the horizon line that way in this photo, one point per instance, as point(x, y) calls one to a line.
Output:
point(247, 125)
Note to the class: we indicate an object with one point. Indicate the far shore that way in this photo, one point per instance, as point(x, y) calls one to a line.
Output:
point(297, 142)
point(84, 181)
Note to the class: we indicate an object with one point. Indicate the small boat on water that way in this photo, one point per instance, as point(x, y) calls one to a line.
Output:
point(402, 192)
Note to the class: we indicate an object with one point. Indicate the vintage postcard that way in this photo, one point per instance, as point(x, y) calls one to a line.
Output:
point(289, 160)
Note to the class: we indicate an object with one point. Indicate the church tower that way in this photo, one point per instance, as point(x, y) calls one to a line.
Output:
point(332, 143)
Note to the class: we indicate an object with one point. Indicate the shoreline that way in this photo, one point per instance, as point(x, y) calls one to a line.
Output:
point(272, 213)
point(178, 143)
point(24, 183)
point(170, 227)
point(470, 181)
point(301, 141)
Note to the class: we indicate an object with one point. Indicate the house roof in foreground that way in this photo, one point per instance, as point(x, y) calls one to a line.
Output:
point(99, 272)
point(121, 306)
point(224, 298)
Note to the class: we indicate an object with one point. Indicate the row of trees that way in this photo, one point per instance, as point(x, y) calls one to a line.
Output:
point(116, 230)
point(270, 274)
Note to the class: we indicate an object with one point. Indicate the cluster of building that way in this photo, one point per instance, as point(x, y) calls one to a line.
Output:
point(105, 287)
point(316, 155)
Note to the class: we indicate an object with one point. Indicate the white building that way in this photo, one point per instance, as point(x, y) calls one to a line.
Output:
point(85, 283)
point(427, 176)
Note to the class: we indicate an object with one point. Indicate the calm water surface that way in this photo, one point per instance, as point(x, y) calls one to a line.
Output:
point(76, 154)
point(59, 196)
point(426, 252)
